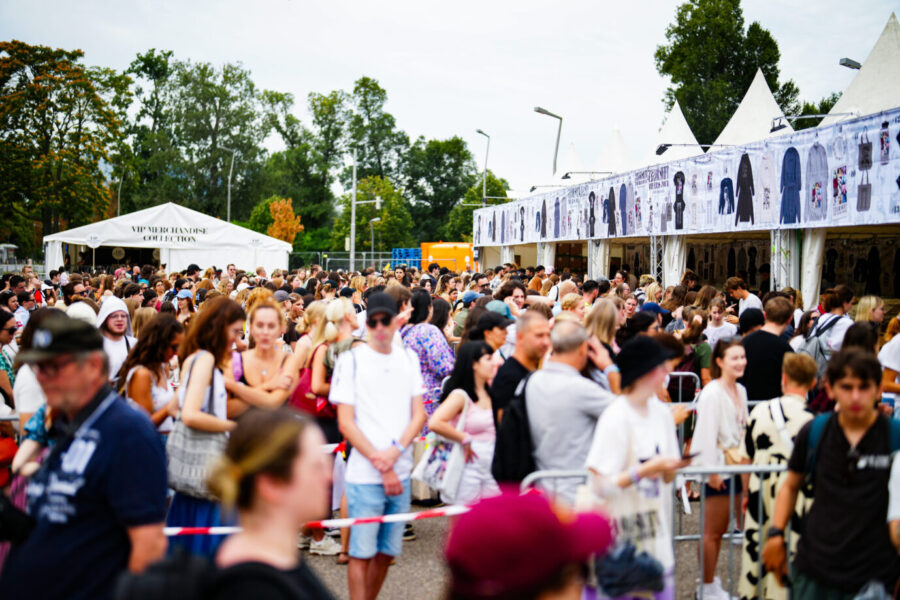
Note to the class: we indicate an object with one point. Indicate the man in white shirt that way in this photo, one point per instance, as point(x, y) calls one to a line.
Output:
point(737, 289)
point(114, 324)
point(378, 389)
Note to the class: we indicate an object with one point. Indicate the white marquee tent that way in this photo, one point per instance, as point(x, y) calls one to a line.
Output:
point(877, 85)
point(675, 131)
point(183, 236)
point(752, 121)
point(571, 162)
point(614, 157)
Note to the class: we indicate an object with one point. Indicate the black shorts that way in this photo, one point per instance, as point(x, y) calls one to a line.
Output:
point(733, 481)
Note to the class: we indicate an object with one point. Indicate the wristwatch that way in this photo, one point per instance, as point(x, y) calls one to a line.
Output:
point(774, 532)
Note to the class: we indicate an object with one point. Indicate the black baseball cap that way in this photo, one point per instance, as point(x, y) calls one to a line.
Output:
point(750, 318)
point(491, 319)
point(640, 356)
point(59, 334)
point(379, 302)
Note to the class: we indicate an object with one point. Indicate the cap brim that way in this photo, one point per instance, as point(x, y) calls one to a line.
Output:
point(35, 356)
point(589, 534)
point(380, 311)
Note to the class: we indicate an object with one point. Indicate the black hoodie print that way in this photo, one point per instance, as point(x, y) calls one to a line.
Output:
point(556, 219)
point(679, 200)
point(592, 200)
point(611, 212)
point(521, 223)
point(744, 191)
point(544, 219)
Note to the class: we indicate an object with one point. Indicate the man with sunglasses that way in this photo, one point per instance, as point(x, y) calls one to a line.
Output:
point(98, 501)
point(847, 456)
point(378, 389)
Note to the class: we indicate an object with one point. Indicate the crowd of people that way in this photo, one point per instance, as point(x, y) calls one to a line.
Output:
point(136, 398)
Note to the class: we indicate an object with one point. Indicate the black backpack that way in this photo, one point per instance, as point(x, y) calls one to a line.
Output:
point(514, 450)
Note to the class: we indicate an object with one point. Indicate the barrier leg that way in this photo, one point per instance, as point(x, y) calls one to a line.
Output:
point(731, 521)
point(702, 528)
point(761, 537)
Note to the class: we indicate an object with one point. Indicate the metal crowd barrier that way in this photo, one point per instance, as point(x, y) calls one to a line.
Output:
point(549, 481)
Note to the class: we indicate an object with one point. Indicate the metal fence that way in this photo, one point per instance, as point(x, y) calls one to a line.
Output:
point(549, 481)
point(331, 261)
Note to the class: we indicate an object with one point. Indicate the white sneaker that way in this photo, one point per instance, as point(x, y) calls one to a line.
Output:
point(326, 547)
point(713, 591)
point(303, 541)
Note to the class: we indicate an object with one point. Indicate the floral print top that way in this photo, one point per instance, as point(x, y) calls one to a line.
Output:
point(436, 359)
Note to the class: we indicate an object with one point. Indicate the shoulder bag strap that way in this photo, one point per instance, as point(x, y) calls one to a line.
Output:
point(777, 411)
point(461, 424)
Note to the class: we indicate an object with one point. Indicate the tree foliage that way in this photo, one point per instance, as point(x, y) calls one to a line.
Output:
point(59, 121)
point(812, 108)
point(711, 60)
point(379, 144)
point(394, 230)
point(459, 221)
point(285, 224)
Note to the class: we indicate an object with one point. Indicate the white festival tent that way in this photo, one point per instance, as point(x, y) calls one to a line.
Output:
point(182, 236)
point(677, 132)
point(752, 121)
point(877, 85)
point(571, 162)
point(614, 157)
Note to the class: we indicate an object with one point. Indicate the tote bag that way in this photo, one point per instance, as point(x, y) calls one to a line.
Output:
point(441, 467)
point(865, 151)
point(864, 194)
point(191, 452)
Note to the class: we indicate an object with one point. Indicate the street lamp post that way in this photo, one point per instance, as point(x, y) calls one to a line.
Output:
point(544, 111)
point(372, 234)
point(484, 178)
point(353, 219)
point(230, 172)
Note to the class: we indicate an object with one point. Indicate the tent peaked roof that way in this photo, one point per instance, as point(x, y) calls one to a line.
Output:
point(571, 162)
point(752, 121)
point(166, 226)
point(675, 131)
point(614, 157)
point(876, 87)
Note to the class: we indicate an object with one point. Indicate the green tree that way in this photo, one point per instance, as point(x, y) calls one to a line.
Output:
point(436, 175)
point(811, 108)
point(59, 122)
point(711, 61)
point(379, 144)
point(261, 216)
point(396, 225)
point(459, 222)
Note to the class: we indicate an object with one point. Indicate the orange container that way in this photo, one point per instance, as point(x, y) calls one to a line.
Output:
point(456, 256)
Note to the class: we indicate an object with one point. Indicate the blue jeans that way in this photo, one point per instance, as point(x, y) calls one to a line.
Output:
point(369, 500)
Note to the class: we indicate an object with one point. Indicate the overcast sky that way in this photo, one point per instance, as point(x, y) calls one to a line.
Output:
point(453, 67)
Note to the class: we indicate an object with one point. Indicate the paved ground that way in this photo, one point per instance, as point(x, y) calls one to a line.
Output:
point(420, 573)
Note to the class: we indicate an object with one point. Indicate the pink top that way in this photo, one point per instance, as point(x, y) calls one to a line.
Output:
point(479, 423)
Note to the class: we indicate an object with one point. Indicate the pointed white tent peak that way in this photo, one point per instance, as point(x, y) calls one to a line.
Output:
point(615, 156)
point(675, 131)
point(571, 162)
point(876, 87)
point(752, 121)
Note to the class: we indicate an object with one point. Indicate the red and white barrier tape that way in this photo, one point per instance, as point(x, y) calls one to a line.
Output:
point(339, 448)
point(446, 511)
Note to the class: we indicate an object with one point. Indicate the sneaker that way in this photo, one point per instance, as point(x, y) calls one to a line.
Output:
point(325, 547)
point(408, 533)
point(333, 532)
point(713, 591)
point(303, 542)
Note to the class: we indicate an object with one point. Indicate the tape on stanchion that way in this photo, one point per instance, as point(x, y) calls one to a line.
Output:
point(446, 511)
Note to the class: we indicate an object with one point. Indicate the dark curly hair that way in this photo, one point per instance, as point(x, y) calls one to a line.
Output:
point(150, 350)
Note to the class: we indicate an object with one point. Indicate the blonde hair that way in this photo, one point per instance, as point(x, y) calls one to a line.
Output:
point(571, 301)
point(866, 306)
point(312, 314)
point(358, 283)
point(263, 443)
point(266, 302)
point(602, 320)
point(651, 294)
point(336, 311)
point(142, 316)
point(545, 287)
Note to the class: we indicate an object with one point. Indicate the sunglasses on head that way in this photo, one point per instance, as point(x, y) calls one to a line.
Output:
point(384, 319)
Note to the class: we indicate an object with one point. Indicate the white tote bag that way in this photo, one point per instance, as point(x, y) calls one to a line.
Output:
point(441, 467)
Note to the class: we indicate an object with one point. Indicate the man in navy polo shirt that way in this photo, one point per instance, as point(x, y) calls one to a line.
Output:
point(99, 498)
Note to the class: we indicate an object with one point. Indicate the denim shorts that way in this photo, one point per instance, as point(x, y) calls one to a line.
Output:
point(369, 500)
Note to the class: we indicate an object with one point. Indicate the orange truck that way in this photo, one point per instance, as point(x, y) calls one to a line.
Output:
point(456, 256)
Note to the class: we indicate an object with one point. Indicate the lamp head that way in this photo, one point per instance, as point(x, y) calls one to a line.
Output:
point(534, 187)
point(661, 149)
point(566, 176)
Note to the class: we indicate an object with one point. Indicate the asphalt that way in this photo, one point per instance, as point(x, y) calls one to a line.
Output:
point(420, 573)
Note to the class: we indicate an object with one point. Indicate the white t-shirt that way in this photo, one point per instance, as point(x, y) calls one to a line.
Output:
point(117, 353)
point(894, 491)
point(714, 334)
point(834, 336)
point(889, 358)
point(798, 312)
point(380, 388)
point(751, 301)
point(27, 391)
point(625, 438)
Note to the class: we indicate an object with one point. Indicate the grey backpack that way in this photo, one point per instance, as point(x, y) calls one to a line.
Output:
point(814, 346)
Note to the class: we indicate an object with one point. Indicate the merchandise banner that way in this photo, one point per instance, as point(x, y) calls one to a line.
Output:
point(845, 174)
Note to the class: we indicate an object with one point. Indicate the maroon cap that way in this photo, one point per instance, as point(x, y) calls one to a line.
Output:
point(512, 542)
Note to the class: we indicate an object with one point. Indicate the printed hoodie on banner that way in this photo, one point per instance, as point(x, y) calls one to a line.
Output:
point(623, 209)
point(611, 212)
point(679, 200)
point(790, 187)
point(816, 183)
point(116, 351)
point(744, 191)
point(726, 197)
point(765, 207)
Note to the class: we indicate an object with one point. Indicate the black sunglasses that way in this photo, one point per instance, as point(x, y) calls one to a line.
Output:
point(10, 330)
point(384, 319)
